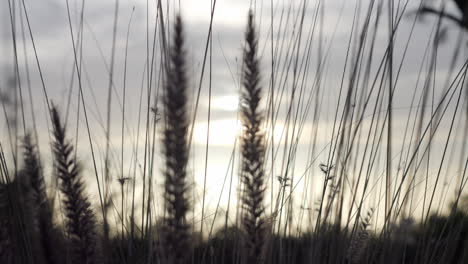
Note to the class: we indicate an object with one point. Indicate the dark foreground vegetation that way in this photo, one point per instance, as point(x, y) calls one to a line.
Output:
point(69, 229)
point(29, 236)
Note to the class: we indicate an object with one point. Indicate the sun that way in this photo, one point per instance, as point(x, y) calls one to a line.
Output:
point(223, 132)
point(226, 103)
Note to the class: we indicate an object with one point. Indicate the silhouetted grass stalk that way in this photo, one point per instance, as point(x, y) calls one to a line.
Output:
point(253, 152)
point(175, 235)
point(80, 221)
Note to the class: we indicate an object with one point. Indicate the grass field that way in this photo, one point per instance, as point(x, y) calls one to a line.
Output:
point(233, 131)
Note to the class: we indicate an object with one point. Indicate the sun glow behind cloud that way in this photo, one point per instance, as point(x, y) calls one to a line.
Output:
point(226, 103)
point(222, 132)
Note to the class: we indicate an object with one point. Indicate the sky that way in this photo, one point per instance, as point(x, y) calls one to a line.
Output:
point(334, 24)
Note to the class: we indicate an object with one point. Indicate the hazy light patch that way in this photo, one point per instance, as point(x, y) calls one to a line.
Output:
point(223, 132)
point(226, 103)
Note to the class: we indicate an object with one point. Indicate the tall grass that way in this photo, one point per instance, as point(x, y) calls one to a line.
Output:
point(43, 213)
point(253, 152)
point(80, 222)
point(175, 232)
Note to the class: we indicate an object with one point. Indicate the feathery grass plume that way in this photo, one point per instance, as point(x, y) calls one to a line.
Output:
point(253, 152)
point(80, 219)
point(359, 241)
point(175, 227)
point(42, 210)
point(27, 183)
